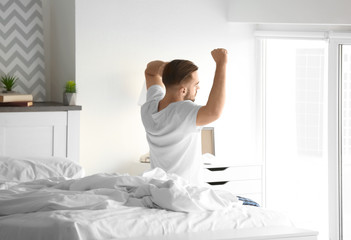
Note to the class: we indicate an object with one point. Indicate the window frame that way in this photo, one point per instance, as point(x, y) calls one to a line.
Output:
point(335, 134)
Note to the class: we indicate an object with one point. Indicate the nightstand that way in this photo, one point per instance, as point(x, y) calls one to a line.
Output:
point(241, 180)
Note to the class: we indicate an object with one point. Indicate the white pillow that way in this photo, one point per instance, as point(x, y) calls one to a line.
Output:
point(33, 168)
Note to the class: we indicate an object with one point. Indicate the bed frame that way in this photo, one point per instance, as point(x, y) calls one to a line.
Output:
point(264, 233)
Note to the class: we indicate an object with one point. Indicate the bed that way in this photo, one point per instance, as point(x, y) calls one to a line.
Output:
point(50, 198)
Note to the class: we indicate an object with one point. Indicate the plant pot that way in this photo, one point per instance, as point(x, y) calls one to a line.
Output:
point(69, 99)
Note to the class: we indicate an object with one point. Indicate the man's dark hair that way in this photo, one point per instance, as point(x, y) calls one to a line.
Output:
point(177, 71)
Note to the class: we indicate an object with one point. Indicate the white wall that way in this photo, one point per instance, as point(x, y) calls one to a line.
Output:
point(114, 42)
point(59, 34)
point(292, 12)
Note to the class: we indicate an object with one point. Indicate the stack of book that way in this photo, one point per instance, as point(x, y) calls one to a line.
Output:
point(16, 99)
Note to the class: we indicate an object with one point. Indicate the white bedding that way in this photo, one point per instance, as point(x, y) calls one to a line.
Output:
point(22, 169)
point(110, 206)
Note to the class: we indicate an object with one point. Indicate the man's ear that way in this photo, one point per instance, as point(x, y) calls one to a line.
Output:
point(183, 91)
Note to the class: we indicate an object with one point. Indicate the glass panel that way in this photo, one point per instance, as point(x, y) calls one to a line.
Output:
point(346, 139)
point(296, 131)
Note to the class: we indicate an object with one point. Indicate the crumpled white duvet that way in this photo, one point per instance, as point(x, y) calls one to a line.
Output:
point(114, 206)
point(155, 189)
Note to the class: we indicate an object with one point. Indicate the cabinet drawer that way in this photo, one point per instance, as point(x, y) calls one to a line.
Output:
point(241, 187)
point(232, 173)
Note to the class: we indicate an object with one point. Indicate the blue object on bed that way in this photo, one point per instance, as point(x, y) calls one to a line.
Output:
point(247, 201)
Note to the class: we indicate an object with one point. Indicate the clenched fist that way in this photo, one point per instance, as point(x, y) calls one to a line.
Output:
point(219, 55)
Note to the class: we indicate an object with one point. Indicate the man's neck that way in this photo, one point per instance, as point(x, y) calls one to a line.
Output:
point(167, 100)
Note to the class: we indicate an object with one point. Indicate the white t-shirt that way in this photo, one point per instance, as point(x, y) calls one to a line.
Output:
point(172, 134)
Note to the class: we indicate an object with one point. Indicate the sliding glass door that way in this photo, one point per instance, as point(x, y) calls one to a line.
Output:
point(345, 77)
point(295, 130)
point(305, 89)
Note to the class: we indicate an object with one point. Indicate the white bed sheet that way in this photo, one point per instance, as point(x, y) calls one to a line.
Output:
point(7, 184)
point(118, 206)
point(124, 222)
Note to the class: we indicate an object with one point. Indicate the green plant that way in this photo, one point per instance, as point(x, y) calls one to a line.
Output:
point(70, 87)
point(8, 81)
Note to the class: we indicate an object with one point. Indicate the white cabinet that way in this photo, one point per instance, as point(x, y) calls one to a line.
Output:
point(44, 132)
point(241, 180)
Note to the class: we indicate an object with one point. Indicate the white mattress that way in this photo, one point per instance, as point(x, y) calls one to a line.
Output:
point(115, 206)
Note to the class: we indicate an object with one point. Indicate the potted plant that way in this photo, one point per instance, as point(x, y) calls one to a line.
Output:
point(8, 82)
point(70, 94)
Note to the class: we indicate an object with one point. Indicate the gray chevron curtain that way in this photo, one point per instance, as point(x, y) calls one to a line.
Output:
point(22, 45)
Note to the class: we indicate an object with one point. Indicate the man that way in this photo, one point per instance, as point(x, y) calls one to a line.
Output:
point(171, 118)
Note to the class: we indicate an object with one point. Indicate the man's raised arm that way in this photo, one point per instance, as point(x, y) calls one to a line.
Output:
point(215, 104)
point(153, 73)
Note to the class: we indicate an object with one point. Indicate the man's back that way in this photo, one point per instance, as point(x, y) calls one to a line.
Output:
point(172, 135)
